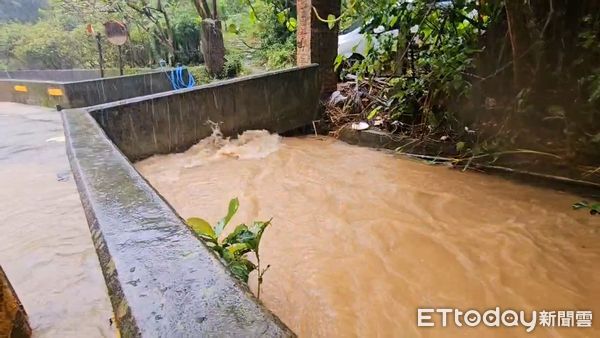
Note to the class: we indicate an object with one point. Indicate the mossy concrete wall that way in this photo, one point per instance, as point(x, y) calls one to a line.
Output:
point(173, 121)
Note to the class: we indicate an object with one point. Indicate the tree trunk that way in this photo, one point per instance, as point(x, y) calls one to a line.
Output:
point(518, 15)
point(213, 47)
point(170, 41)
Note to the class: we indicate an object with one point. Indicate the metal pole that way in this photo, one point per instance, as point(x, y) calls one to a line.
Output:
point(120, 60)
point(100, 58)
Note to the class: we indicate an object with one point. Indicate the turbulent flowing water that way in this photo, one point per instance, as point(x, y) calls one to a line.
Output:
point(361, 239)
point(45, 244)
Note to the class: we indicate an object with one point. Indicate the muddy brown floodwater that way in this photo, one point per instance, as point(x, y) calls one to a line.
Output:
point(361, 239)
point(46, 248)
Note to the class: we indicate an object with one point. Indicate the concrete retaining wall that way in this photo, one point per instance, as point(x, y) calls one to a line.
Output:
point(517, 171)
point(172, 122)
point(61, 75)
point(93, 92)
point(36, 93)
point(85, 93)
point(162, 280)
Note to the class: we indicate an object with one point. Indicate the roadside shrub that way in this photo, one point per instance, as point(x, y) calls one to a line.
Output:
point(281, 55)
point(233, 66)
point(200, 74)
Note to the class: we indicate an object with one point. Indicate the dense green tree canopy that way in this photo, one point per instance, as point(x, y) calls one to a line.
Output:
point(20, 10)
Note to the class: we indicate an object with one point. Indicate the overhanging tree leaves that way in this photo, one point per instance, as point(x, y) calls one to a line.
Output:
point(485, 75)
point(152, 17)
point(163, 30)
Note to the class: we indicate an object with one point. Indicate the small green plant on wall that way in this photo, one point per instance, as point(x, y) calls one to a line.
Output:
point(234, 248)
point(594, 208)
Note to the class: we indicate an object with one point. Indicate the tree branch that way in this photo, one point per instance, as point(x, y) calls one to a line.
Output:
point(203, 9)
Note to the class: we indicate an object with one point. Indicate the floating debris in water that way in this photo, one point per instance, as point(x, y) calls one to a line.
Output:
point(57, 139)
point(63, 176)
point(360, 125)
point(337, 98)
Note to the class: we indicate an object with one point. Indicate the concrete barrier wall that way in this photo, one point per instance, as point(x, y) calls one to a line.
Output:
point(172, 122)
point(36, 93)
point(93, 92)
point(162, 280)
point(85, 93)
point(60, 75)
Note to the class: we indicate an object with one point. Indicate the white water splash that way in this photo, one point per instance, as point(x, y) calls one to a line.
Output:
point(251, 144)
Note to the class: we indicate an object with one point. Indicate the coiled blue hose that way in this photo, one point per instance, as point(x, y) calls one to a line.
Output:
point(177, 81)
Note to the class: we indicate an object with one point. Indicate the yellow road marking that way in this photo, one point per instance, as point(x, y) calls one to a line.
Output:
point(55, 92)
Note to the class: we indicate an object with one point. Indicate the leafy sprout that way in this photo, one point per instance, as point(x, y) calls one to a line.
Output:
point(234, 248)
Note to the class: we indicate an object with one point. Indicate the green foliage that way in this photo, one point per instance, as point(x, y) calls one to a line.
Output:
point(233, 65)
point(277, 21)
point(20, 10)
point(234, 248)
point(140, 51)
point(594, 208)
point(186, 31)
point(270, 25)
point(58, 39)
point(374, 112)
point(200, 74)
point(280, 55)
point(426, 59)
point(10, 34)
point(589, 41)
point(45, 45)
point(231, 8)
point(593, 81)
point(167, 30)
